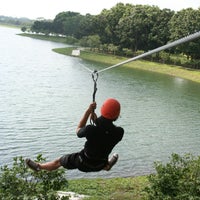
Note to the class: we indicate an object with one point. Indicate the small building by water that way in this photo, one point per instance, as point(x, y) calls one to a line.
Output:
point(76, 52)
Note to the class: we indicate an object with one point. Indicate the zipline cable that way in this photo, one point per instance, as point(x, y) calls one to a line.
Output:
point(95, 73)
point(172, 44)
point(88, 69)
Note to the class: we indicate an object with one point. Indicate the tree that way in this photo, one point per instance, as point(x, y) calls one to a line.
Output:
point(176, 180)
point(23, 29)
point(130, 27)
point(86, 26)
point(61, 19)
point(71, 26)
point(19, 182)
point(159, 33)
point(144, 27)
point(183, 23)
point(42, 27)
point(92, 41)
point(107, 22)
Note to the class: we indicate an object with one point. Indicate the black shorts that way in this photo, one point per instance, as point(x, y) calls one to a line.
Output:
point(80, 161)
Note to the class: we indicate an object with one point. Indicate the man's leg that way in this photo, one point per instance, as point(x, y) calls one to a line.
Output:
point(69, 161)
point(49, 166)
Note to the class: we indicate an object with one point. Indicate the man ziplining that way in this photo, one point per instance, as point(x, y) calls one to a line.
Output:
point(101, 138)
point(103, 135)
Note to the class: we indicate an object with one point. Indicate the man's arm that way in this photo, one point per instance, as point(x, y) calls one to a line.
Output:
point(86, 115)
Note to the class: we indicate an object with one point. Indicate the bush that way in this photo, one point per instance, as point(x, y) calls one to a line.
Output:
point(177, 180)
point(19, 182)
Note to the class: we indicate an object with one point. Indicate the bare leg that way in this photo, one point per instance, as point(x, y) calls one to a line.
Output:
point(49, 166)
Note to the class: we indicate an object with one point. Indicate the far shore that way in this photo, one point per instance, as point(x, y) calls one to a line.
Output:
point(109, 60)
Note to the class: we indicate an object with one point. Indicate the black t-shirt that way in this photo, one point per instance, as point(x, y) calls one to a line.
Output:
point(100, 140)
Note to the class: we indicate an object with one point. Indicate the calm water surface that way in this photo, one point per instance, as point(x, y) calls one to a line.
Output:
point(43, 96)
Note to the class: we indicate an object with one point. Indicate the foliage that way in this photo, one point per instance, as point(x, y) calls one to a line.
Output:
point(92, 41)
point(183, 23)
point(107, 23)
point(177, 180)
point(131, 28)
point(19, 182)
point(140, 25)
point(61, 19)
point(42, 27)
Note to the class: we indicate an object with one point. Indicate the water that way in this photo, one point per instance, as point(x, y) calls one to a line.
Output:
point(43, 96)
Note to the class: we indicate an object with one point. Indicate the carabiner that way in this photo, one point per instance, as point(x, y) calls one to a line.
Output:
point(93, 76)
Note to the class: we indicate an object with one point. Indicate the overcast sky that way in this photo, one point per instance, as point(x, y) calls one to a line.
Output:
point(50, 8)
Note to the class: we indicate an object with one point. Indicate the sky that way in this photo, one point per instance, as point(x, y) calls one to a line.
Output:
point(48, 9)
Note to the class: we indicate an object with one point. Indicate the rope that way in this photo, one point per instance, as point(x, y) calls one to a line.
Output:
point(89, 70)
point(95, 76)
point(172, 44)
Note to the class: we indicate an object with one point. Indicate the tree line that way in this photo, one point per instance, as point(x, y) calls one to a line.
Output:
point(128, 29)
point(5, 20)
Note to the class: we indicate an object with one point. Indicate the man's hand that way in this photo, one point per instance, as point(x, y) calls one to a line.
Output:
point(88, 112)
point(93, 115)
point(92, 107)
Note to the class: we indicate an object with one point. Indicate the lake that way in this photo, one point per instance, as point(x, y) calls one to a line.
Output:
point(43, 95)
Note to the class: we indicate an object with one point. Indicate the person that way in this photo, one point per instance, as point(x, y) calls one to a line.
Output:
point(101, 138)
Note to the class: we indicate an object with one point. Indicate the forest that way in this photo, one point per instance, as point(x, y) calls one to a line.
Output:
point(128, 29)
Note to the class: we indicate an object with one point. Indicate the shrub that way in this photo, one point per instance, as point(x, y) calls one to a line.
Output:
point(177, 180)
point(19, 182)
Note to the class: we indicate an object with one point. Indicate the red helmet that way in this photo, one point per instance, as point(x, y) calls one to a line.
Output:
point(110, 109)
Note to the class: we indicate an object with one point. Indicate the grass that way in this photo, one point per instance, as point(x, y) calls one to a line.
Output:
point(53, 38)
point(45, 37)
point(172, 70)
point(114, 188)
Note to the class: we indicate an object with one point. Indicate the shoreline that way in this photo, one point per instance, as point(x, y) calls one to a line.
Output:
point(172, 70)
point(109, 60)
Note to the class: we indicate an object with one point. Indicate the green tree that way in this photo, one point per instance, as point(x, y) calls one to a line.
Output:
point(23, 29)
point(113, 48)
point(159, 32)
point(92, 41)
point(61, 19)
point(107, 22)
point(42, 27)
point(179, 179)
point(71, 26)
point(86, 26)
point(183, 23)
point(144, 27)
point(18, 182)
